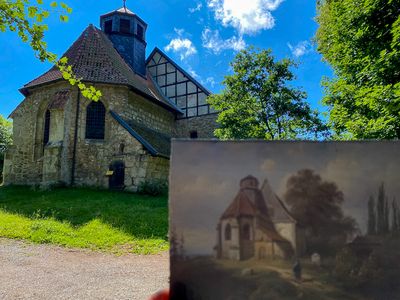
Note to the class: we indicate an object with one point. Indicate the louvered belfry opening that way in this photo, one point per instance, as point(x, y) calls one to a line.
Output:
point(95, 120)
point(46, 133)
point(124, 26)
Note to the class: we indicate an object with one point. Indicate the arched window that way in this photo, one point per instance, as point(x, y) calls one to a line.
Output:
point(228, 232)
point(46, 133)
point(246, 232)
point(95, 120)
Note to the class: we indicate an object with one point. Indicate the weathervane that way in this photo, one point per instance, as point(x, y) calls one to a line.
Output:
point(124, 3)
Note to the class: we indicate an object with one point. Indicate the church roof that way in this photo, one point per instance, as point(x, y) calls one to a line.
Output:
point(95, 60)
point(157, 143)
point(122, 10)
point(241, 206)
point(276, 208)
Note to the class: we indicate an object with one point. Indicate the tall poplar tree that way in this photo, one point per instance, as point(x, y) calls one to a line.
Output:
point(371, 216)
point(380, 210)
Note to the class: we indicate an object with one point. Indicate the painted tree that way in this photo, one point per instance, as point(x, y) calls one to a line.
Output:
point(395, 216)
point(387, 216)
point(361, 41)
point(371, 216)
point(258, 101)
point(27, 19)
point(317, 205)
point(380, 210)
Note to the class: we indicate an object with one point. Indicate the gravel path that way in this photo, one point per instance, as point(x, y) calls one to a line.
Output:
point(48, 272)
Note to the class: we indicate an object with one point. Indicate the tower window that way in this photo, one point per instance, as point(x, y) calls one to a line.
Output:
point(46, 135)
point(140, 32)
point(108, 26)
point(194, 134)
point(228, 232)
point(124, 26)
point(95, 120)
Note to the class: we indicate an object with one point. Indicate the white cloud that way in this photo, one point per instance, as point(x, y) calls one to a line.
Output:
point(247, 16)
point(210, 81)
point(193, 73)
point(212, 40)
point(197, 8)
point(301, 48)
point(179, 31)
point(181, 46)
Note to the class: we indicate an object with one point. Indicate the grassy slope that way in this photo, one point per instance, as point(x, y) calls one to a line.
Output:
point(83, 218)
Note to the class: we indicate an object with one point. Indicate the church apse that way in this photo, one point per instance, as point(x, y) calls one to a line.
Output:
point(251, 226)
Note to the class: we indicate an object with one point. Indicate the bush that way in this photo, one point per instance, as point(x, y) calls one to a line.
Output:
point(154, 187)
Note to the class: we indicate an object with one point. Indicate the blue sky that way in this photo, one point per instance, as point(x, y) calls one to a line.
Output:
point(201, 35)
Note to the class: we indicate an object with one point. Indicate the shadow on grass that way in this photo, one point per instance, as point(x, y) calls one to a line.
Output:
point(137, 215)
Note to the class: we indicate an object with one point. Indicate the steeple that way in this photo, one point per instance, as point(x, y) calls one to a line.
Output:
point(127, 31)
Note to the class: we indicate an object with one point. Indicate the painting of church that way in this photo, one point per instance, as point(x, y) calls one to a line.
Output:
point(257, 224)
point(60, 137)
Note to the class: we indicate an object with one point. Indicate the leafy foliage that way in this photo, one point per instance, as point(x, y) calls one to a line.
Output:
point(27, 19)
point(360, 39)
point(153, 187)
point(5, 140)
point(317, 205)
point(5, 135)
point(257, 101)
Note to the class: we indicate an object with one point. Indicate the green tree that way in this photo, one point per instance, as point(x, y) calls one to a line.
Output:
point(27, 19)
point(5, 140)
point(360, 39)
point(258, 102)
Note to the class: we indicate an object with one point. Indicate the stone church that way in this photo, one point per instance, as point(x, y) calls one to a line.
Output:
point(258, 225)
point(60, 137)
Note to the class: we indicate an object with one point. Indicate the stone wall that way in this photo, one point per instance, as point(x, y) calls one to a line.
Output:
point(204, 125)
point(25, 159)
point(30, 162)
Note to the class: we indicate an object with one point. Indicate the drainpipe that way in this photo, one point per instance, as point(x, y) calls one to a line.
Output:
point(78, 102)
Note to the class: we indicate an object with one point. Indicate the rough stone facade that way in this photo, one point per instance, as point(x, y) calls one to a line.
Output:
point(203, 125)
point(50, 125)
point(31, 162)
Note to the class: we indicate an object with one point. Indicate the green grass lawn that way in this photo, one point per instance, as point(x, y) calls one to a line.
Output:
point(83, 218)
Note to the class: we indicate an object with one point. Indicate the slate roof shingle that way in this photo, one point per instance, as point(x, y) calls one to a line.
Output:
point(157, 143)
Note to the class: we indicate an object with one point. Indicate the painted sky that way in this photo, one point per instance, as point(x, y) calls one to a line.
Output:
point(205, 178)
point(201, 35)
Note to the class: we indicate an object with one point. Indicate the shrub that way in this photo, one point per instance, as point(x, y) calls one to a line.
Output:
point(153, 187)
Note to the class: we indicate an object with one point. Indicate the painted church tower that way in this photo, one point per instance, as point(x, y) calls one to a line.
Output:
point(128, 34)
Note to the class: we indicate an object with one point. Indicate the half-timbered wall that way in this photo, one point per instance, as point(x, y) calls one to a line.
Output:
point(179, 86)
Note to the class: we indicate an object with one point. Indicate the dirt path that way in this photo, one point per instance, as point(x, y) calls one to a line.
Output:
point(311, 283)
point(48, 272)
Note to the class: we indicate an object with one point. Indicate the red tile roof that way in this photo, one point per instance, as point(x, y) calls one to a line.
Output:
point(241, 206)
point(94, 59)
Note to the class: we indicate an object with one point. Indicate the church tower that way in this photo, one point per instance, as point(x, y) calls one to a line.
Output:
point(128, 34)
